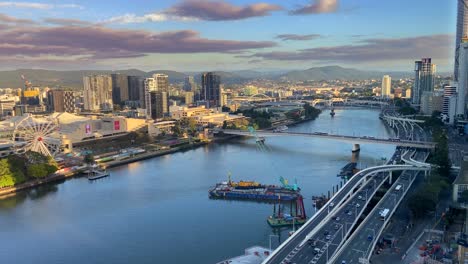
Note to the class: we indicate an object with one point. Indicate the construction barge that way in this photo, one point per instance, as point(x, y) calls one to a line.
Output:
point(250, 190)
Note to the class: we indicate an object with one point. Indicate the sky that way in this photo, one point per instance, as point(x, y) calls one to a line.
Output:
point(202, 35)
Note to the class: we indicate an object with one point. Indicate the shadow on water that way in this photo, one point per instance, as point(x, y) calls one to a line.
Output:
point(33, 194)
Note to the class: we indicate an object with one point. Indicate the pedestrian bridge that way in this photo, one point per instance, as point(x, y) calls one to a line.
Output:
point(351, 139)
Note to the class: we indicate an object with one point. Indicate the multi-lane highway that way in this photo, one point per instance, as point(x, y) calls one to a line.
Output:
point(360, 245)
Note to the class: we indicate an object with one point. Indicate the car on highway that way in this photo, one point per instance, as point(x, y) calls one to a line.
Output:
point(332, 204)
point(328, 237)
point(358, 205)
point(350, 213)
point(312, 242)
point(316, 251)
point(337, 218)
point(359, 197)
point(370, 237)
point(337, 227)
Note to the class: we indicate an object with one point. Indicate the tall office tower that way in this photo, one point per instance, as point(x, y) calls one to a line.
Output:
point(156, 104)
point(423, 79)
point(97, 94)
point(462, 97)
point(119, 88)
point(60, 101)
point(162, 85)
point(189, 84)
point(136, 90)
point(449, 91)
point(462, 32)
point(210, 90)
point(386, 86)
point(150, 86)
point(162, 82)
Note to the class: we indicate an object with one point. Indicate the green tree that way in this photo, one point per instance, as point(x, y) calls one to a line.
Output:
point(89, 158)
point(37, 170)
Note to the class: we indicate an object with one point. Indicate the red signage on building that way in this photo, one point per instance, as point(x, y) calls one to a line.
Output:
point(116, 125)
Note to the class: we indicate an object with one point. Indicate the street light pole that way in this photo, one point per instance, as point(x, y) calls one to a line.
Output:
point(271, 237)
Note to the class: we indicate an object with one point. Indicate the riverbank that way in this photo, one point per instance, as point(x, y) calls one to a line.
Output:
point(10, 191)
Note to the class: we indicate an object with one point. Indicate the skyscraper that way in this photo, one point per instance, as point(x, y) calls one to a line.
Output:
point(156, 104)
point(189, 84)
point(150, 86)
point(462, 97)
point(136, 90)
point(162, 85)
point(449, 91)
point(210, 90)
point(60, 101)
point(97, 93)
point(119, 88)
point(386, 86)
point(462, 32)
point(423, 79)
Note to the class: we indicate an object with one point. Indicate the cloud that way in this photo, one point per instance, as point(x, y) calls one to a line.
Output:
point(13, 20)
point(98, 42)
point(209, 10)
point(317, 7)
point(32, 5)
point(66, 22)
point(220, 10)
point(154, 17)
point(286, 37)
point(383, 49)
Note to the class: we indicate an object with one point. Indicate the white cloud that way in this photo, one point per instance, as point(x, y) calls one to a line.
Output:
point(37, 5)
point(153, 17)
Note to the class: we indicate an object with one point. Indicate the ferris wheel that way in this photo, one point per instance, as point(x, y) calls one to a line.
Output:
point(33, 134)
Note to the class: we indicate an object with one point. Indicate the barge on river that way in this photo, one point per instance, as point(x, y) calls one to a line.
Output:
point(250, 190)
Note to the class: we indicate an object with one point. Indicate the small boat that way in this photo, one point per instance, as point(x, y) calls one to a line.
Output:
point(281, 129)
point(96, 174)
point(332, 112)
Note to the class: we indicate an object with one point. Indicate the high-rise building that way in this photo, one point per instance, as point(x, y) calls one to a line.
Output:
point(162, 85)
point(462, 97)
point(386, 86)
point(210, 90)
point(462, 32)
point(60, 101)
point(150, 86)
point(119, 88)
point(97, 94)
point(449, 91)
point(136, 90)
point(189, 84)
point(189, 98)
point(423, 79)
point(156, 104)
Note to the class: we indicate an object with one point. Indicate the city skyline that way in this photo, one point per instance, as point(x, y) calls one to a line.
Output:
point(226, 35)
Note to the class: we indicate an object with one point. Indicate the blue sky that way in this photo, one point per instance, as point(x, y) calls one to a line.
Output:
point(188, 35)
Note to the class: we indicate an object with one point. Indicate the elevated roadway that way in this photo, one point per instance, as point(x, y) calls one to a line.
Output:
point(297, 249)
point(359, 247)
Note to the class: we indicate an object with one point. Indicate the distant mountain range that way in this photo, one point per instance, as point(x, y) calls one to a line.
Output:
point(74, 79)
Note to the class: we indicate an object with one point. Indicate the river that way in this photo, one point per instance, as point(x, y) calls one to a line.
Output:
point(158, 211)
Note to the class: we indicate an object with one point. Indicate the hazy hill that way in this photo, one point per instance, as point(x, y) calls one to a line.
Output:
point(74, 79)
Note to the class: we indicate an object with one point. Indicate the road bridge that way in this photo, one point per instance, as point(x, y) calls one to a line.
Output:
point(351, 139)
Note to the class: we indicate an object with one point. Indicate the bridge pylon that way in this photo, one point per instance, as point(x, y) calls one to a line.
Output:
point(356, 148)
